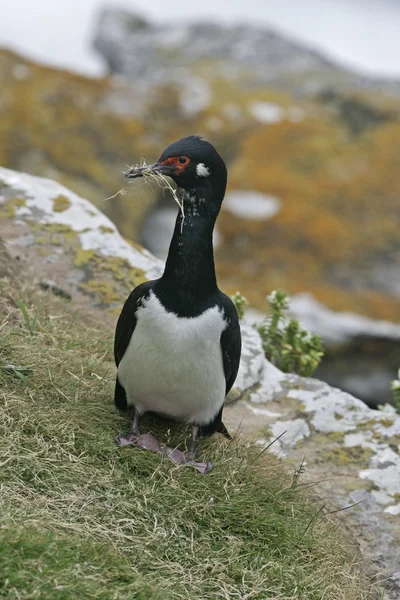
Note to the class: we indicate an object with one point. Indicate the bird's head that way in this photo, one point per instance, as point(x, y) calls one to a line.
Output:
point(191, 162)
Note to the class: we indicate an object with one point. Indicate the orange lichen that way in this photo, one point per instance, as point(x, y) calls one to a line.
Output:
point(339, 186)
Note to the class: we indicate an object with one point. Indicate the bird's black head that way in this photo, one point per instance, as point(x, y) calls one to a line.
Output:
point(192, 163)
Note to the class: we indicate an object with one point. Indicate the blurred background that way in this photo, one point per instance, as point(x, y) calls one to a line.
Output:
point(301, 99)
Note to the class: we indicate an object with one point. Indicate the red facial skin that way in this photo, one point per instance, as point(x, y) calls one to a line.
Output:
point(174, 161)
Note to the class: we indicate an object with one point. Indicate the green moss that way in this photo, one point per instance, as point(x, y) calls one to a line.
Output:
point(61, 203)
point(102, 290)
point(8, 208)
point(43, 251)
point(82, 257)
point(136, 277)
point(338, 416)
point(386, 422)
point(119, 268)
point(368, 425)
point(331, 436)
point(344, 455)
point(66, 230)
point(18, 201)
point(115, 265)
point(358, 484)
point(105, 229)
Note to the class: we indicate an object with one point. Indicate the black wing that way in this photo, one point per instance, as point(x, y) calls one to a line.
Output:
point(127, 320)
point(231, 342)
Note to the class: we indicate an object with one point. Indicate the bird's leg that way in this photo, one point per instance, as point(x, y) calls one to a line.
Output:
point(187, 458)
point(146, 441)
point(191, 453)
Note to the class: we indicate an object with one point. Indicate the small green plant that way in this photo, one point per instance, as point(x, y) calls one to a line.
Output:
point(31, 324)
point(396, 392)
point(240, 303)
point(288, 346)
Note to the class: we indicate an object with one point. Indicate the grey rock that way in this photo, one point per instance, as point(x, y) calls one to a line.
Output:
point(141, 50)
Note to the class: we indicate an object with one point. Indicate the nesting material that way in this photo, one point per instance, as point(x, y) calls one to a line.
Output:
point(150, 176)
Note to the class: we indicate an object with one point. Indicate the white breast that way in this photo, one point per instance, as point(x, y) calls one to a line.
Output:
point(173, 365)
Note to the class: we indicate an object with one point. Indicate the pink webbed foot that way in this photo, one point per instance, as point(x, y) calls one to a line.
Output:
point(146, 441)
point(180, 458)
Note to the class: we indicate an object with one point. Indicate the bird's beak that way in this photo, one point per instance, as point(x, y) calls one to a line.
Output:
point(156, 167)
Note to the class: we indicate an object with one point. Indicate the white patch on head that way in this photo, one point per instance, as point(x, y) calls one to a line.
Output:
point(202, 170)
point(173, 365)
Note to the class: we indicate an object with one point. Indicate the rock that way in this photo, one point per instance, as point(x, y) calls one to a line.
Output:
point(351, 452)
point(8, 266)
point(62, 238)
point(137, 48)
point(362, 355)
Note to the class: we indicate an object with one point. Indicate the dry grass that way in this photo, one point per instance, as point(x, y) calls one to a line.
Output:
point(150, 177)
point(83, 519)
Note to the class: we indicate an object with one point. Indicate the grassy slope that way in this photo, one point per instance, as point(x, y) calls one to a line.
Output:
point(83, 519)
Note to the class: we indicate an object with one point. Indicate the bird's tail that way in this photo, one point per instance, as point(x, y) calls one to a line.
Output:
point(223, 430)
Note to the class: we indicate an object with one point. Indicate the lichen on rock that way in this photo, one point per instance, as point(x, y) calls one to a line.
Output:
point(65, 231)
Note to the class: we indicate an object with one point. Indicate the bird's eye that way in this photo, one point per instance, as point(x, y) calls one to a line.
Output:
point(182, 160)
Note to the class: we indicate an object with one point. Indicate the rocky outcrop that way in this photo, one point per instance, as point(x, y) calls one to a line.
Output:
point(154, 53)
point(58, 236)
point(313, 185)
point(361, 354)
point(351, 452)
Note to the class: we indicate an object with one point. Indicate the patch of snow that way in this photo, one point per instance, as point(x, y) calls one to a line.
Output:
point(266, 112)
point(249, 204)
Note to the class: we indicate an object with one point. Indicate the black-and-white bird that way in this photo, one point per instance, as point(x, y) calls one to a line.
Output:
point(177, 340)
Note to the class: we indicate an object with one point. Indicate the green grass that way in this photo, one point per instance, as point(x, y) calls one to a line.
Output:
point(81, 518)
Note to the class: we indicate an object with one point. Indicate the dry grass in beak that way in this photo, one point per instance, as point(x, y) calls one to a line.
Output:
point(148, 177)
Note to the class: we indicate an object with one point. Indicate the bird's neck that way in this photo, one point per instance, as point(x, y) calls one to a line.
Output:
point(189, 275)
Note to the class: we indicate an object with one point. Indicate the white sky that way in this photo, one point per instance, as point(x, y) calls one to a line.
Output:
point(364, 34)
